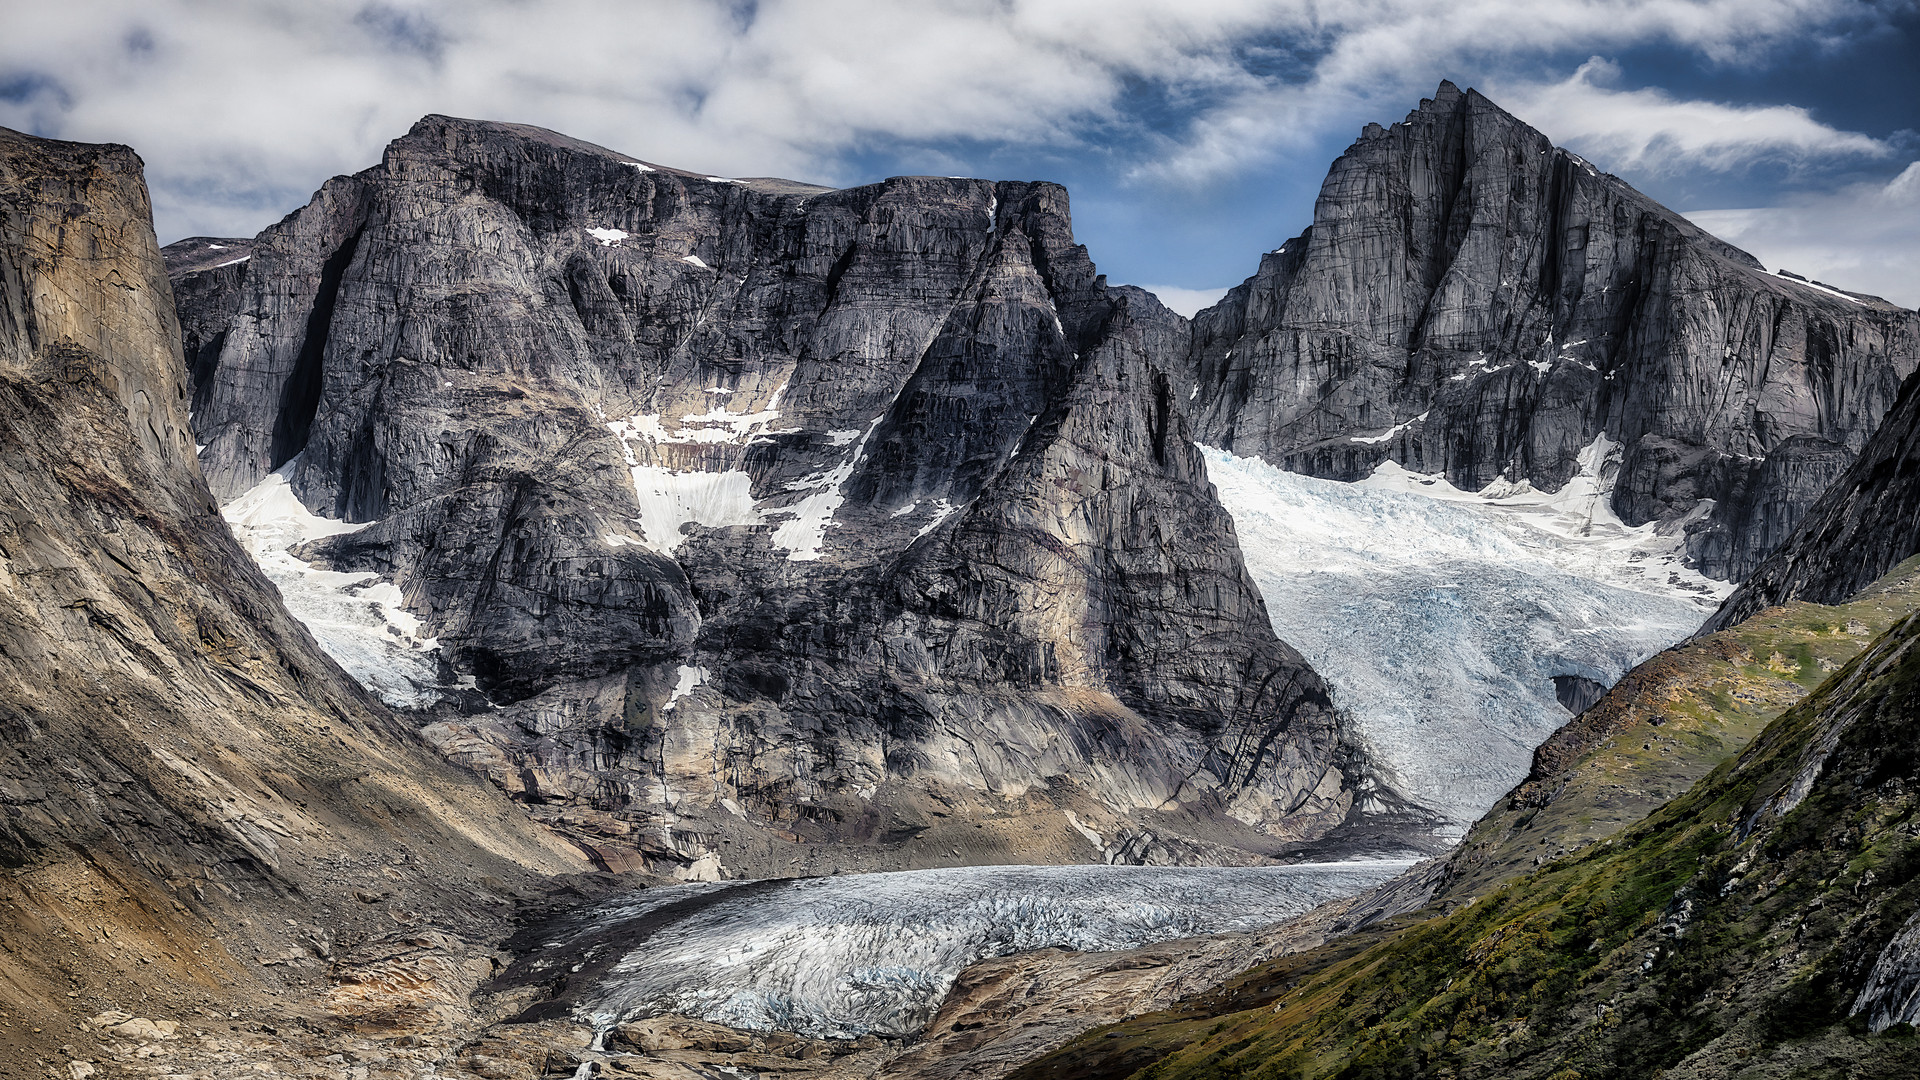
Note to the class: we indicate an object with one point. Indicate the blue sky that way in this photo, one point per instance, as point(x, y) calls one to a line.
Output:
point(1193, 135)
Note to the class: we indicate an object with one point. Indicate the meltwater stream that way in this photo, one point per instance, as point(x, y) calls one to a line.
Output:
point(839, 957)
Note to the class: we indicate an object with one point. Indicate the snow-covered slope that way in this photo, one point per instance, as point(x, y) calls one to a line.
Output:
point(358, 619)
point(840, 956)
point(1441, 617)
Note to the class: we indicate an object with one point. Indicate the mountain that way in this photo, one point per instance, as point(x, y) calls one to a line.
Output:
point(201, 811)
point(762, 527)
point(1472, 301)
point(1863, 525)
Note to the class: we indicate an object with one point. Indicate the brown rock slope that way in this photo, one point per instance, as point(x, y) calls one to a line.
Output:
point(197, 808)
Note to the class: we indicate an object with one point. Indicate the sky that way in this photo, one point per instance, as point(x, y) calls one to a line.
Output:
point(1192, 134)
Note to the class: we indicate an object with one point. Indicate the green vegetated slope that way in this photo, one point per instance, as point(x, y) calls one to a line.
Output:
point(1668, 723)
point(1726, 935)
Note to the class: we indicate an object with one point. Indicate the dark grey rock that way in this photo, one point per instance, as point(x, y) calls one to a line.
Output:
point(944, 540)
point(1865, 524)
point(1472, 300)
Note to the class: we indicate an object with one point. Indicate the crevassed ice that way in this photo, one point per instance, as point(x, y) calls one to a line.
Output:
point(358, 619)
point(1440, 616)
point(841, 956)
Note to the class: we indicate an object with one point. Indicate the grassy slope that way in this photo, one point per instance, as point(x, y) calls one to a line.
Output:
point(1576, 970)
point(1667, 724)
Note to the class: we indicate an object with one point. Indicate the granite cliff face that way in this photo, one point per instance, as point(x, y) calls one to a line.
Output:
point(197, 807)
point(1864, 525)
point(759, 516)
point(1473, 301)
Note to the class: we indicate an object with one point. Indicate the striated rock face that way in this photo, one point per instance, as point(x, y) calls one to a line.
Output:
point(1473, 301)
point(190, 790)
point(1864, 525)
point(770, 514)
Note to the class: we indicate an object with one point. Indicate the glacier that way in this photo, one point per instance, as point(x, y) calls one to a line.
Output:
point(842, 956)
point(1440, 616)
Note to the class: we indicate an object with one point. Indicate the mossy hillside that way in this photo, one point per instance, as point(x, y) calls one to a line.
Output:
point(1667, 724)
point(1714, 939)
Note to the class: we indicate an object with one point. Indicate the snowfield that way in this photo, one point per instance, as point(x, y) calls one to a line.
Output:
point(359, 619)
point(837, 957)
point(1440, 616)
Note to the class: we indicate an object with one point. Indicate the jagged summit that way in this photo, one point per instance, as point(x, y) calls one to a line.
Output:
point(1473, 301)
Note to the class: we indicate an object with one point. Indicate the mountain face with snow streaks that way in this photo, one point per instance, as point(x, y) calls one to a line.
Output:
point(1474, 301)
point(746, 504)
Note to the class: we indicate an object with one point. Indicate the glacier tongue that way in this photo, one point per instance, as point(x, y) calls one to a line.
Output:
point(838, 957)
point(1440, 617)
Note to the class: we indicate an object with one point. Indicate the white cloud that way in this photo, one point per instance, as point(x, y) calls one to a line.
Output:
point(1649, 131)
point(1381, 55)
point(1186, 301)
point(241, 107)
point(1864, 238)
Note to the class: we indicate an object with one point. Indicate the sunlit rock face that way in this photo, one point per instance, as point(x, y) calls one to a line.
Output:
point(185, 774)
point(1472, 301)
point(746, 504)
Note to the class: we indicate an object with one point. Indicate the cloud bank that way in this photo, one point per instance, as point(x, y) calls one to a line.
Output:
point(242, 107)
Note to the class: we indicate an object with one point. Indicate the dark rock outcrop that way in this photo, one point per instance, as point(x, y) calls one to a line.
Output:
point(755, 505)
point(190, 790)
point(1863, 526)
point(1473, 301)
point(206, 273)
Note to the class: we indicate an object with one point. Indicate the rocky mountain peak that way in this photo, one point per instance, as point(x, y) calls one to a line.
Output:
point(1472, 301)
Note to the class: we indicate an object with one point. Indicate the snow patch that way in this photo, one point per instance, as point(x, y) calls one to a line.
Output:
point(637, 165)
point(232, 262)
point(359, 619)
point(1092, 837)
point(690, 679)
point(1390, 433)
point(1804, 283)
point(607, 237)
point(694, 260)
point(942, 510)
point(805, 529)
point(670, 501)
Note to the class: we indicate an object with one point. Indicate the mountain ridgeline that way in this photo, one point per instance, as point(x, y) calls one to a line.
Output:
point(191, 791)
